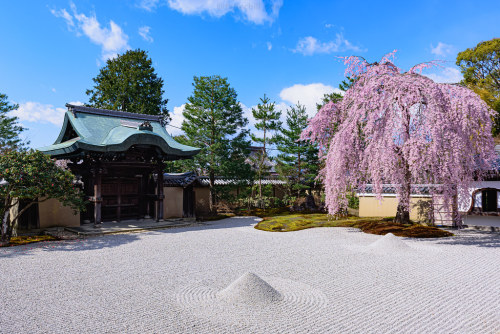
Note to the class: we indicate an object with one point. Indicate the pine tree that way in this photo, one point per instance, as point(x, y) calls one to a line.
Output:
point(213, 122)
point(267, 121)
point(129, 83)
point(329, 97)
point(298, 160)
point(334, 96)
point(9, 128)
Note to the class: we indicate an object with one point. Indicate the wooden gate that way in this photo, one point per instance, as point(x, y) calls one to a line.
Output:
point(121, 198)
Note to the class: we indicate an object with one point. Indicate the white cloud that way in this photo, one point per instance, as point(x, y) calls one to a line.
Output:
point(247, 113)
point(76, 103)
point(144, 32)
point(53, 90)
point(442, 49)
point(176, 122)
point(446, 75)
point(254, 11)
point(112, 40)
point(307, 95)
point(63, 13)
point(269, 46)
point(310, 45)
point(148, 5)
point(40, 113)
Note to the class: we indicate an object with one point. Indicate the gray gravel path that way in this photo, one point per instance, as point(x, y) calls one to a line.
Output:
point(330, 281)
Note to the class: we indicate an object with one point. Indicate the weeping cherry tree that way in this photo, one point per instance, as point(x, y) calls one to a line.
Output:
point(402, 128)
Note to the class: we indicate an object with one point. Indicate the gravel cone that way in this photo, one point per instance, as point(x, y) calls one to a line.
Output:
point(250, 289)
point(388, 243)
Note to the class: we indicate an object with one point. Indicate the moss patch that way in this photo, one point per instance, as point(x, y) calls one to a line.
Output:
point(296, 222)
point(273, 212)
point(23, 240)
point(215, 217)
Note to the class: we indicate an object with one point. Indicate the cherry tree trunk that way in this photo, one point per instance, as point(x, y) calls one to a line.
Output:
point(457, 219)
point(402, 215)
point(403, 210)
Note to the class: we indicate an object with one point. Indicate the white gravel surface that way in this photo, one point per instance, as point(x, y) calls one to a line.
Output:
point(230, 278)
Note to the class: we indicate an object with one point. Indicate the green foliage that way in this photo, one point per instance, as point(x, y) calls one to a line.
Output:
point(352, 201)
point(335, 97)
point(129, 83)
point(9, 128)
point(214, 121)
point(32, 176)
point(268, 121)
point(181, 166)
point(346, 84)
point(481, 69)
point(298, 160)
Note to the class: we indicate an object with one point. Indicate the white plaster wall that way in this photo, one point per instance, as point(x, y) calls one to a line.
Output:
point(464, 201)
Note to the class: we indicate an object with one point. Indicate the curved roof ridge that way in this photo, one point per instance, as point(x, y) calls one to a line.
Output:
point(108, 112)
point(101, 130)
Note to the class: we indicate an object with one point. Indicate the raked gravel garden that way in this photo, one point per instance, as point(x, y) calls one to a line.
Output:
point(227, 277)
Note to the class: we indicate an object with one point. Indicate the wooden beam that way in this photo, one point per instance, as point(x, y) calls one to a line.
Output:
point(161, 196)
point(97, 196)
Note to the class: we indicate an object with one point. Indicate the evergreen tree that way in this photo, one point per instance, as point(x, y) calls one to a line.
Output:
point(129, 83)
point(329, 97)
point(213, 122)
point(346, 84)
point(298, 160)
point(267, 121)
point(481, 69)
point(336, 97)
point(9, 128)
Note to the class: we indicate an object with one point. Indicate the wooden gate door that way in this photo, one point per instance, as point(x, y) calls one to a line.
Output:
point(188, 202)
point(121, 198)
point(489, 200)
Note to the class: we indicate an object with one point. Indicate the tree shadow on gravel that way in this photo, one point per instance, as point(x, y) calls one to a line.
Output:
point(91, 243)
point(233, 222)
point(474, 238)
point(114, 240)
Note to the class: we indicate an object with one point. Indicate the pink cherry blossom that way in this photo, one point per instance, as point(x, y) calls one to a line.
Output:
point(403, 129)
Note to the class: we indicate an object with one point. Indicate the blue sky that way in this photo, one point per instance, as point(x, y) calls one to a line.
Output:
point(287, 49)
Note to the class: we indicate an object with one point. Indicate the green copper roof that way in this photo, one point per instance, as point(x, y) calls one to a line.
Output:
point(98, 130)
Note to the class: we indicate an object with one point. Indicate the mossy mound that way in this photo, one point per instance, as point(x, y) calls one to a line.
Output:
point(380, 226)
point(420, 231)
point(214, 217)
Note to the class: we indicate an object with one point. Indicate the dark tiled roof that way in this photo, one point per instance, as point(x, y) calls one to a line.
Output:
point(179, 179)
point(108, 112)
point(222, 181)
point(420, 189)
point(186, 179)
